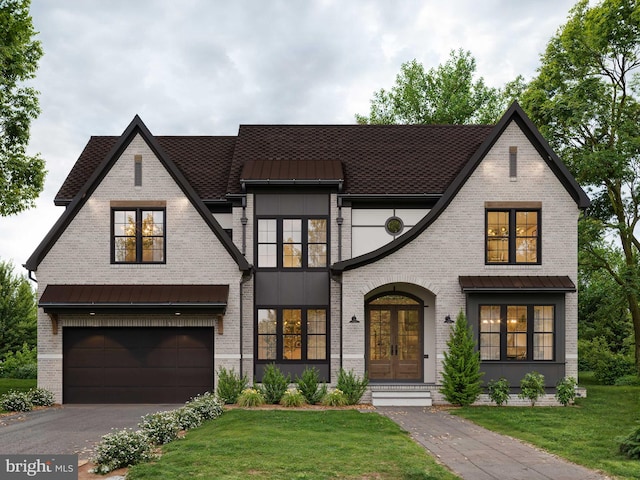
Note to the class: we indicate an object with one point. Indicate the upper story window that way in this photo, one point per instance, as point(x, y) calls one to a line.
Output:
point(292, 334)
point(292, 243)
point(513, 236)
point(138, 235)
point(517, 332)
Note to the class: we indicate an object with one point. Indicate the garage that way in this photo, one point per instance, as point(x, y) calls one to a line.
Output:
point(136, 364)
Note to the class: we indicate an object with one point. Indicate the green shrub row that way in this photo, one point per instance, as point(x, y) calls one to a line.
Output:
point(596, 356)
point(532, 388)
point(275, 388)
point(123, 448)
point(20, 364)
point(14, 401)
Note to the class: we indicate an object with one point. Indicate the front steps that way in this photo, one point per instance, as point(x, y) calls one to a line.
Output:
point(401, 395)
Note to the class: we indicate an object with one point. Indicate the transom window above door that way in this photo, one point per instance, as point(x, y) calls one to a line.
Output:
point(289, 243)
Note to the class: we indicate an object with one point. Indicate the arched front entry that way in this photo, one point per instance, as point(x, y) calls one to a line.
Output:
point(394, 337)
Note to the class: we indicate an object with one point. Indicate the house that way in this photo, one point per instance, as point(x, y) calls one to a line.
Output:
point(332, 246)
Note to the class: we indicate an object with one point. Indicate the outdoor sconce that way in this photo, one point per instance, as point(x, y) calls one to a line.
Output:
point(354, 319)
point(447, 319)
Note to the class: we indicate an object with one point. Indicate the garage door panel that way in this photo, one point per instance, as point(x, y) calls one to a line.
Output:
point(136, 365)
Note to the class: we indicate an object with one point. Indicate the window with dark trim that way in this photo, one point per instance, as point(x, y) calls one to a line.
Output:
point(138, 235)
point(512, 236)
point(292, 243)
point(292, 334)
point(517, 332)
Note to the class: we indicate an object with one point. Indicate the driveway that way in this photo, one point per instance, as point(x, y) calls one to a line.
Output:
point(68, 429)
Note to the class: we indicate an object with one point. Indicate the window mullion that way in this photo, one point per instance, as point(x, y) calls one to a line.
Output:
point(138, 235)
point(512, 236)
point(503, 332)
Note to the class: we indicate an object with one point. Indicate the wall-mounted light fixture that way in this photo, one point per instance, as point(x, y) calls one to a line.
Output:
point(447, 319)
point(354, 319)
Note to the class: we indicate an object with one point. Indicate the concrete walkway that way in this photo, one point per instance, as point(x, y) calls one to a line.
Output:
point(475, 453)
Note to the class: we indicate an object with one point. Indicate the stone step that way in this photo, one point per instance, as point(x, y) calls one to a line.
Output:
point(401, 398)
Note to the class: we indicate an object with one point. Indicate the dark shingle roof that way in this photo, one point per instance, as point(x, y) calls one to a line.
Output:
point(516, 283)
point(204, 161)
point(376, 159)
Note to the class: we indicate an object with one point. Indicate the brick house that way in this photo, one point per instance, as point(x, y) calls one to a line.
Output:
point(333, 246)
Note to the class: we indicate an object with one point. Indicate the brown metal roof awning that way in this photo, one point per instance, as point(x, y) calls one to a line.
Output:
point(305, 172)
point(161, 298)
point(517, 284)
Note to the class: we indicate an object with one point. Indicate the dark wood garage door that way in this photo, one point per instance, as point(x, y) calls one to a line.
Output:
point(136, 365)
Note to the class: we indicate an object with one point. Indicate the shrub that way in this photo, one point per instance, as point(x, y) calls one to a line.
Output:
point(335, 398)
point(293, 398)
point(230, 385)
point(611, 366)
point(120, 449)
point(40, 397)
point(461, 366)
point(532, 387)
point(206, 405)
point(25, 357)
point(309, 385)
point(250, 397)
point(25, 371)
point(160, 427)
point(566, 390)
point(188, 418)
point(274, 384)
point(630, 445)
point(499, 391)
point(352, 386)
point(14, 401)
point(628, 380)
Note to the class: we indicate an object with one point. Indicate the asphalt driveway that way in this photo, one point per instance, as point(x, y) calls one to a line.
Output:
point(68, 429)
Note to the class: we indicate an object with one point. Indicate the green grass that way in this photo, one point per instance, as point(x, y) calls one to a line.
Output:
point(7, 384)
point(277, 444)
point(586, 434)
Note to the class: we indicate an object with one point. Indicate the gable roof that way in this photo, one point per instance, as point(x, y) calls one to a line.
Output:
point(136, 127)
point(376, 159)
point(515, 114)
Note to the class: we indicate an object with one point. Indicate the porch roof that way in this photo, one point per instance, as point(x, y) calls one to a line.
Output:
point(175, 298)
point(516, 283)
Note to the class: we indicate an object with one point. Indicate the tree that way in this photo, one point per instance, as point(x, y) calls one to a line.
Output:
point(447, 94)
point(461, 366)
point(21, 175)
point(18, 311)
point(585, 102)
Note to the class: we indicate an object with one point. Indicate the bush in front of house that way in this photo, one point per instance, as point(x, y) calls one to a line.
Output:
point(274, 384)
point(122, 448)
point(14, 401)
point(352, 386)
point(40, 397)
point(532, 387)
point(499, 391)
point(251, 397)
point(335, 398)
point(566, 390)
point(230, 385)
point(160, 427)
point(188, 418)
point(310, 386)
point(206, 405)
point(461, 365)
point(293, 398)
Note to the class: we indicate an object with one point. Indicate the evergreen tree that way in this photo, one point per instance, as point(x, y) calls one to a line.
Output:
point(461, 366)
point(18, 311)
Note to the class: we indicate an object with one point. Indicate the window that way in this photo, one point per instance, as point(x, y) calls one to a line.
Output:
point(292, 243)
point(517, 332)
point(137, 171)
point(292, 334)
point(138, 235)
point(513, 236)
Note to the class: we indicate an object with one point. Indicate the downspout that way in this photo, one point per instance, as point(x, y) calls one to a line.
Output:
point(339, 220)
point(245, 278)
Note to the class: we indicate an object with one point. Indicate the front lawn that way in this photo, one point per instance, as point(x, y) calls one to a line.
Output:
point(276, 444)
point(20, 385)
point(585, 434)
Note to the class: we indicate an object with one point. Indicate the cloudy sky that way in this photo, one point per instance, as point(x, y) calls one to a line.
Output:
point(203, 67)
